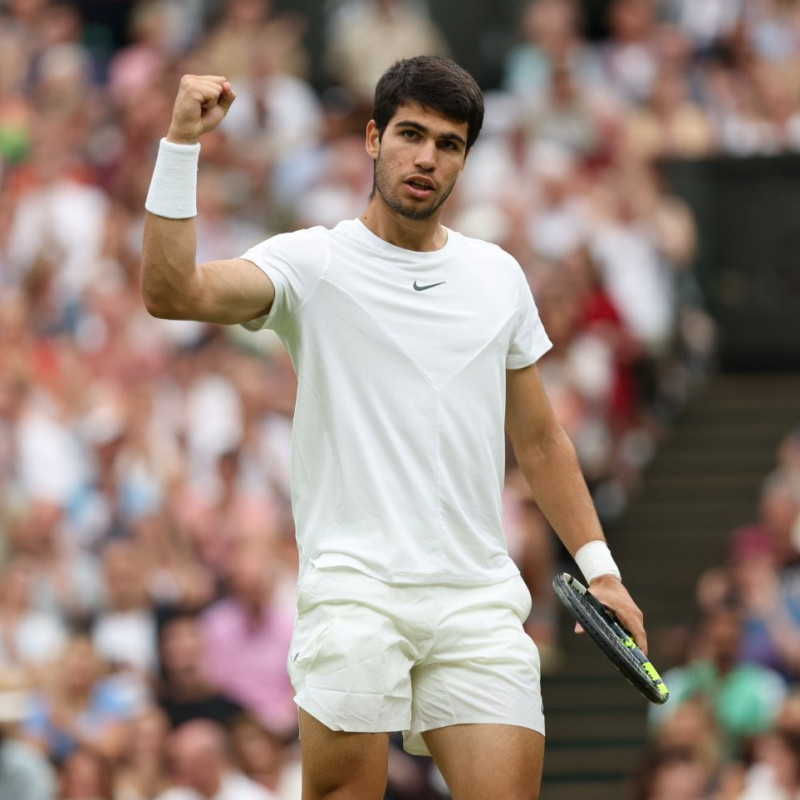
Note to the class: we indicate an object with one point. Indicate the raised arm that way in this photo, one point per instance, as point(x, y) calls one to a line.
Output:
point(173, 284)
point(549, 463)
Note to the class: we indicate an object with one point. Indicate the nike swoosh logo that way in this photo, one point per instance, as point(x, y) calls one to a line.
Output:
point(422, 287)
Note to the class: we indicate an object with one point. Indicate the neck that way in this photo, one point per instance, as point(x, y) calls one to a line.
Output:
point(423, 236)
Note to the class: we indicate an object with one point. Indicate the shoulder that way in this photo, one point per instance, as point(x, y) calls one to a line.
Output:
point(295, 242)
point(486, 251)
point(491, 260)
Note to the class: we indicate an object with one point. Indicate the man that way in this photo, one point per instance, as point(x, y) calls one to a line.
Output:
point(24, 770)
point(412, 345)
point(200, 766)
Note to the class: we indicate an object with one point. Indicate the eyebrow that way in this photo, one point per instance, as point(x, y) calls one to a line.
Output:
point(422, 129)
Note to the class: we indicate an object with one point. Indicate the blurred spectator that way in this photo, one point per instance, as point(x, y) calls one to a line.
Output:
point(265, 758)
point(173, 575)
point(638, 269)
point(708, 24)
point(669, 124)
point(185, 691)
point(248, 29)
point(124, 632)
point(30, 640)
point(551, 41)
point(142, 770)
point(765, 563)
point(155, 33)
point(394, 29)
point(214, 516)
point(562, 114)
point(773, 29)
point(693, 729)
point(629, 57)
point(775, 772)
point(200, 767)
point(673, 774)
point(66, 578)
point(247, 635)
point(24, 771)
point(745, 697)
point(86, 775)
point(79, 707)
point(57, 227)
point(342, 182)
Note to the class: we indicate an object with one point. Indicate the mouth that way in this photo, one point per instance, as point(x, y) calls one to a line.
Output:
point(420, 186)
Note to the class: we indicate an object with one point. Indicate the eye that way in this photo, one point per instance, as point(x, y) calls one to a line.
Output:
point(409, 134)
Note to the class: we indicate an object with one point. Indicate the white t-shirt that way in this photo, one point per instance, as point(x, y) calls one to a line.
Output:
point(398, 444)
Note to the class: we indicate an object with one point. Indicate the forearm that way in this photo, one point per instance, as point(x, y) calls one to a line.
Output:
point(170, 280)
point(551, 469)
point(549, 463)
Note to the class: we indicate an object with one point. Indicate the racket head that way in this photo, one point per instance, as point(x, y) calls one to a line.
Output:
point(617, 644)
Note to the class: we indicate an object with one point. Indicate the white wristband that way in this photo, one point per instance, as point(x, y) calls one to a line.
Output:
point(173, 188)
point(594, 559)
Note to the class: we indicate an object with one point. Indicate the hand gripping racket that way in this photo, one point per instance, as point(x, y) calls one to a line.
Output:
point(611, 637)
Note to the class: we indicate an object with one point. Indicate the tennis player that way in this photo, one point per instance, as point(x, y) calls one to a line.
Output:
point(413, 347)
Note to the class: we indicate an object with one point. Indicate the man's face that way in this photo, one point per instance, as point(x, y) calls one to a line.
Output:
point(417, 160)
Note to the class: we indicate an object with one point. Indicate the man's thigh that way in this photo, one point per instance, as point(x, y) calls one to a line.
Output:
point(502, 762)
point(341, 765)
point(483, 668)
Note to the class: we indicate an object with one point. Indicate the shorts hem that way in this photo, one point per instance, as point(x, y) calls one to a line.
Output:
point(333, 722)
point(414, 744)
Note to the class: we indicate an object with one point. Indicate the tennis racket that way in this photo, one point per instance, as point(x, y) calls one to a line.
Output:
point(611, 637)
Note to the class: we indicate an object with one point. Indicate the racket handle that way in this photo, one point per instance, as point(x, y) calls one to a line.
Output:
point(629, 642)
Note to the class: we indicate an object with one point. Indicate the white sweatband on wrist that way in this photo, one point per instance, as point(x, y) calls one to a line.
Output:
point(173, 187)
point(594, 559)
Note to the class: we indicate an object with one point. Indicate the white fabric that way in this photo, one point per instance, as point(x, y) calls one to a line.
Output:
point(398, 446)
point(761, 783)
point(37, 639)
point(640, 285)
point(413, 658)
point(595, 559)
point(173, 187)
point(127, 637)
point(63, 223)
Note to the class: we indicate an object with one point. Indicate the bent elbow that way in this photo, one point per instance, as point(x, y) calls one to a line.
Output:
point(159, 305)
point(155, 304)
point(163, 300)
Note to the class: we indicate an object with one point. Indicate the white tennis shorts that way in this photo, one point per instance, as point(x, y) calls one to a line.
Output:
point(367, 656)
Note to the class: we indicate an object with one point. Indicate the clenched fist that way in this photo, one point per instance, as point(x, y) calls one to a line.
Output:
point(201, 104)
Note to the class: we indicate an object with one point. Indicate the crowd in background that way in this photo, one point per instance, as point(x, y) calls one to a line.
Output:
point(731, 728)
point(148, 561)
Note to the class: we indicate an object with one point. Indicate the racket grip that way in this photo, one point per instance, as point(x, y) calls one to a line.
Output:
point(630, 643)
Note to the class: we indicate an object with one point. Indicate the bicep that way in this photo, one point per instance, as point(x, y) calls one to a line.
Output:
point(233, 291)
point(530, 419)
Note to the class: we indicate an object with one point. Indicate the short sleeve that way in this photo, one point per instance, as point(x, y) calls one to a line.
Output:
point(529, 340)
point(294, 262)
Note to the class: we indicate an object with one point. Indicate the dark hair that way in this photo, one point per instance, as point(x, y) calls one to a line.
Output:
point(434, 82)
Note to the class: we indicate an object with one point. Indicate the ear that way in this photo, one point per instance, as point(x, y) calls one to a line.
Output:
point(373, 140)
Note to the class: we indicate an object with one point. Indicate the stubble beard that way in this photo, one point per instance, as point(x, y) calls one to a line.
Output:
point(408, 211)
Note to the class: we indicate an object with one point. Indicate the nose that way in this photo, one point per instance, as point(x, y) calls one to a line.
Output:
point(426, 156)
